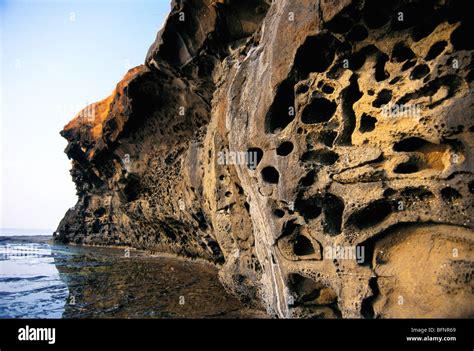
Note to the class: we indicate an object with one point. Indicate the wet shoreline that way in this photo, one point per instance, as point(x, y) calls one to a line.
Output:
point(102, 282)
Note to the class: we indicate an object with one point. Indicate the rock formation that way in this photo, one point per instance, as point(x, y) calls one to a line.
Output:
point(318, 151)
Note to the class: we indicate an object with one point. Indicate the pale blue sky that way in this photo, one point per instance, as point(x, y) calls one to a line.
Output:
point(55, 58)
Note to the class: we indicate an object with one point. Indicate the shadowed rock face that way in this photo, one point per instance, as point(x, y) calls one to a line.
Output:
point(358, 119)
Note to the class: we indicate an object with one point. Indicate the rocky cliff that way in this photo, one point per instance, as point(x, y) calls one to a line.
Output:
point(319, 151)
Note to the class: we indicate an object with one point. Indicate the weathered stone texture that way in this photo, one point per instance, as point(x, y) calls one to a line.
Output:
point(360, 113)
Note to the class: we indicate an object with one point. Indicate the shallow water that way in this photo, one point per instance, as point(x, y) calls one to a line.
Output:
point(42, 280)
point(30, 284)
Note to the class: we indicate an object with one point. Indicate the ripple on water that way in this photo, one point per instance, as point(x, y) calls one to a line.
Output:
point(43, 281)
point(30, 284)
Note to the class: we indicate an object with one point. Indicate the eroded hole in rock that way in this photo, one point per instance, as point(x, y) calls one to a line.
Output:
point(367, 123)
point(357, 59)
point(457, 146)
point(461, 38)
point(270, 175)
point(132, 189)
point(350, 95)
point(201, 219)
point(367, 309)
point(308, 179)
point(423, 29)
point(310, 292)
point(343, 47)
point(365, 252)
point(330, 205)
point(375, 14)
point(96, 227)
point(394, 80)
point(279, 213)
point(411, 144)
point(402, 53)
point(302, 89)
point(339, 24)
point(383, 98)
point(435, 50)
point(146, 101)
point(371, 215)
point(327, 137)
point(306, 289)
point(419, 193)
point(333, 208)
point(168, 232)
point(449, 194)
point(303, 246)
point(309, 209)
point(240, 190)
point(228, 194)
point(408, 167)
point(99, 212)
point(273, 259)
point(319, 110)
point(380, 73)
point(314, 138)
point(412, 12)
point(327, 89)
point(470, 186)
point(254, 156)
point(419, 72)
point(358, 33)
point(389, 192)
point(323, 157)
point(290, 228)
point(216, 250)
point(282, 110)
point(409, 64)
point(285, 148)
point(315, 55)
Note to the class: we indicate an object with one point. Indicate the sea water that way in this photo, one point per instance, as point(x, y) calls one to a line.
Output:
point(40, 279)
point(30, 284)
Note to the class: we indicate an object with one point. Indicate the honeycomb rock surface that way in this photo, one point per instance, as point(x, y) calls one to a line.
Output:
point(319, 152)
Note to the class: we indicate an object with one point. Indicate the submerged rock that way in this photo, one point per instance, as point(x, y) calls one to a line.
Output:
point(105, 283)
point(358, 117)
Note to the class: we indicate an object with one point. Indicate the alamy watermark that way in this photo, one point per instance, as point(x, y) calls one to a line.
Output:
point(248, 158)
point(37, 334)
point(86, 114)
point(338, 252)
point(127, 163)
point(23, 251)
point(401, 110)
